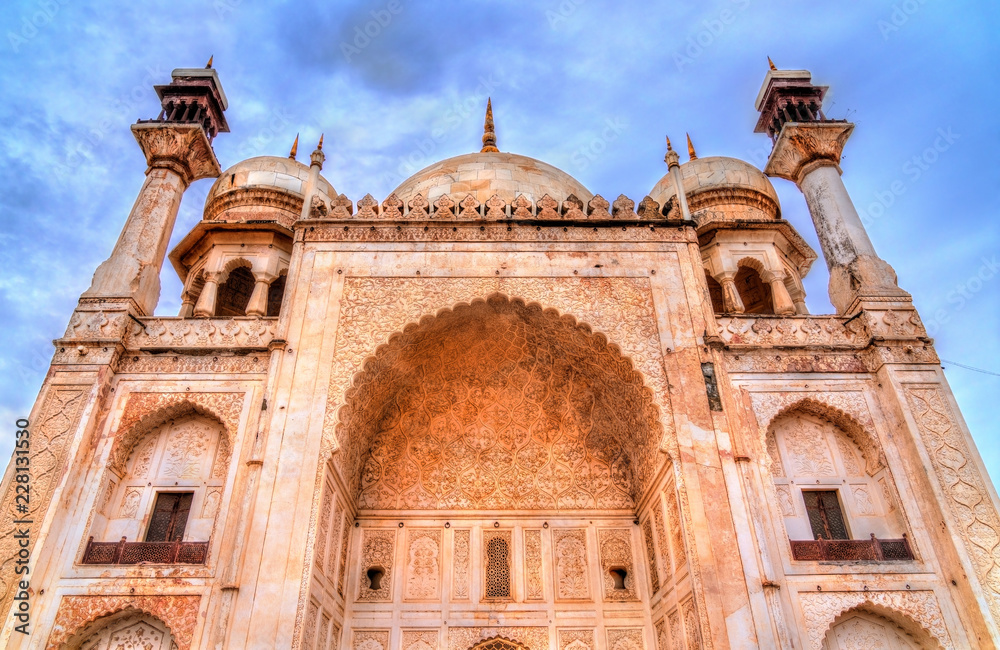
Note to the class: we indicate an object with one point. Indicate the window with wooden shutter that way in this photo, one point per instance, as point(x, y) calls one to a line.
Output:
point(170, 515)
point(825, 514)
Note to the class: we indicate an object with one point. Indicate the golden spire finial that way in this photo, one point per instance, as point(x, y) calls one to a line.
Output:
point(320, 145)
point(771, 63)
point(691, 154)
point(669, 148)
point(489, 135)
point(210, 59)
point(295, 148)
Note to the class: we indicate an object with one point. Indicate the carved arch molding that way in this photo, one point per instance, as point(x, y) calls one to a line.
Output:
point(848, 410)
point(178, 613)
point(916, 612)
point(499, 404)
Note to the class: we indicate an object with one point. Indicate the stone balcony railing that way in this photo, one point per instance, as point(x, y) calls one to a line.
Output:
point(852, 550)
point(204, 333)
point(124, 552)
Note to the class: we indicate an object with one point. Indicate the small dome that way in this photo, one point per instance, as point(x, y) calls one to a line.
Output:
point(719, 188)
point(485, 174)
point(262, 188)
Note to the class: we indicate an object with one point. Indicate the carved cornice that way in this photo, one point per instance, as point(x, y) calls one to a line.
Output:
point(327, 231)
point(800, 144)
point(204, 333)
point(181, 148)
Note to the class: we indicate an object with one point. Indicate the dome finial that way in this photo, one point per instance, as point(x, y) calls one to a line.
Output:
point(295, 148)
point(210, 59)
point(489, 135)
point(671, 158)
point(771, 63)
point(691, 154)
point(320, 145)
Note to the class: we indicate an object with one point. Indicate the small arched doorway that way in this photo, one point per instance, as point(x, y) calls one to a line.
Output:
point(126, 630)
point(861, 630)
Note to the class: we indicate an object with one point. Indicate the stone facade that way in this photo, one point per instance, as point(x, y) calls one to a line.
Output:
point(495, 410)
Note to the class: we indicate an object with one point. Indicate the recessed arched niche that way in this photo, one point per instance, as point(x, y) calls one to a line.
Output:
point(498, 405)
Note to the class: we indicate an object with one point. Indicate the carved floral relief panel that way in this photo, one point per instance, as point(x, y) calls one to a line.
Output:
point(571, 566)
point(423, 564)
point(576, 639)
point(370, 640)
point(625, 638)
point(419, 640)
point(534, 589)
point(461, 567)
point(654, 574)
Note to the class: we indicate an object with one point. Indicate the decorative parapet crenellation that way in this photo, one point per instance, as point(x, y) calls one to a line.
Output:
point(206, 333)
point(445, 208)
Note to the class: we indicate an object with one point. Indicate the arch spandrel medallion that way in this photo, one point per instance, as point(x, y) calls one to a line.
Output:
point(503, 406)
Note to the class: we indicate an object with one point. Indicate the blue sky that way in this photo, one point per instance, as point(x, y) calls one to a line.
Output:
point(585, 85)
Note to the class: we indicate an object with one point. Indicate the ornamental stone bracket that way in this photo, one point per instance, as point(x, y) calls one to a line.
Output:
point(182, 148)
point(802, 143)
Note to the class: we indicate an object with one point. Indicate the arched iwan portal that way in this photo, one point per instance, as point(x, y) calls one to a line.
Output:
point(498, 405)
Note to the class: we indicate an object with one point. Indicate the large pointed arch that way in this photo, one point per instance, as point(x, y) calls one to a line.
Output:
point(523, 377)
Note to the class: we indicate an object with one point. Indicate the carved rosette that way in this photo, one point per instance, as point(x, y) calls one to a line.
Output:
point(51, 436)
point(821, 609)
point(182, 148)
point(179, 613)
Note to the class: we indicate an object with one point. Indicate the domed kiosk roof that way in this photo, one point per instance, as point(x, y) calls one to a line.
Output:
point(261, 178)
point(718, 173)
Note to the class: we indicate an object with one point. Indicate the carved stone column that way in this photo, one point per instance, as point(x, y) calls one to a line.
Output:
point(187, 306)
point(808, 153)
point(730, 295)
point(782, 301)
point(205, 308)
point(257, 306)
point(177, 154)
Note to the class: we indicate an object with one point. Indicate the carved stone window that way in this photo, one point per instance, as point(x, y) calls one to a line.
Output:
point(497, 548)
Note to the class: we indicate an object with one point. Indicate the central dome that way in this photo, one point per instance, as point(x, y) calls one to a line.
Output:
point(486, 173)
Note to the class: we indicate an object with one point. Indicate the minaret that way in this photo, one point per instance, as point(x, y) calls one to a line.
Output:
point(178, 150)
point(807, 149)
